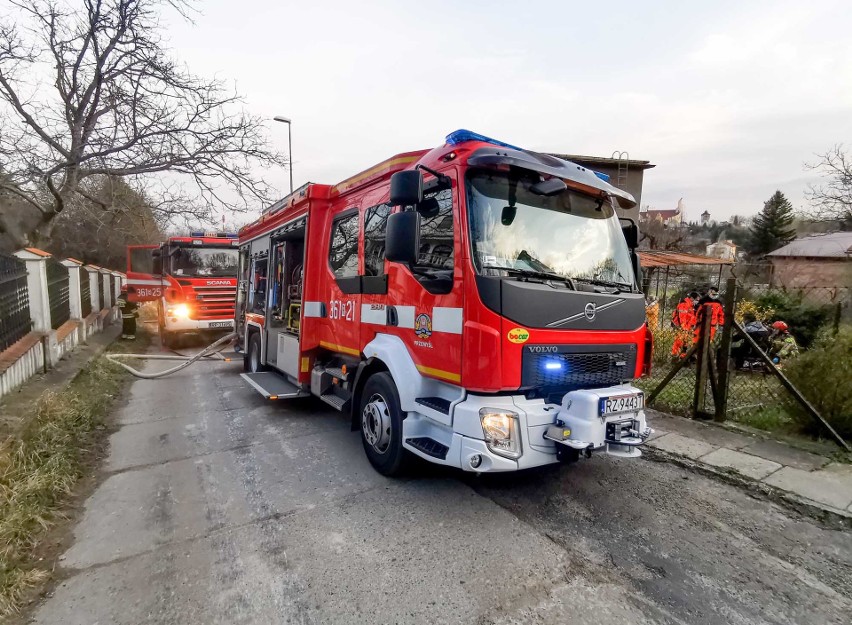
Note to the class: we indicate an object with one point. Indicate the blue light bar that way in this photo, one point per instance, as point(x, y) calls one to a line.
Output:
point(196, 233)
point(553, 365)
point(601, 175)
point(461, 135)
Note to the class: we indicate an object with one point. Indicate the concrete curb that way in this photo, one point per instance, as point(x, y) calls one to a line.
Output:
point(831, 516)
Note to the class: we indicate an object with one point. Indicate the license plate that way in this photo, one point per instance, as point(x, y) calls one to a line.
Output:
point(221, 324)
point(621, 403)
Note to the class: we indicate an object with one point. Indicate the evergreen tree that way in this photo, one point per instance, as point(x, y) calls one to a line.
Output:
point(773, 227)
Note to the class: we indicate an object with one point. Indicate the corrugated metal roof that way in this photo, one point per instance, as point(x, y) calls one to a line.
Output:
point(830, 245)
point(660, 258)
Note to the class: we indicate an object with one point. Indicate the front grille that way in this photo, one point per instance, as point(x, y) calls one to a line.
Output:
point(214, 302)
point(572, 367)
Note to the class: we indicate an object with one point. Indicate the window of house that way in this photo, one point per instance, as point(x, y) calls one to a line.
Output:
point(343, 252)
point(375, 227)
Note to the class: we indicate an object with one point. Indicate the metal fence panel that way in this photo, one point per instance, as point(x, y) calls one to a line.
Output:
point(59, 292)
point(105, 290)
point(15, 321)
point(85, 293)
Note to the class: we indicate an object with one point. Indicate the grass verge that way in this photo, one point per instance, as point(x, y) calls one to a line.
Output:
point(41, 464)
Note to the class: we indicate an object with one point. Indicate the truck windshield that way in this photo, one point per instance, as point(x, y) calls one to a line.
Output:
point(570, 235)
point(205, 262)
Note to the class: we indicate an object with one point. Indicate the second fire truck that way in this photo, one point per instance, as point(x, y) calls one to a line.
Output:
point(193, 279)
point(475, 305)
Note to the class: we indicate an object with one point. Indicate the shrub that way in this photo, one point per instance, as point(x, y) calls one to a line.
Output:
point(824, 376)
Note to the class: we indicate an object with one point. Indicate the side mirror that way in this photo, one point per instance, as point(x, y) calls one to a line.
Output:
point(631, 234)
point(406, 188)
point(402, 243)
point(157, 263)
point(429, 208)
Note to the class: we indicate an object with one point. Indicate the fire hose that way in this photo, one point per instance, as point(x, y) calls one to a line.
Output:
point(208, 352)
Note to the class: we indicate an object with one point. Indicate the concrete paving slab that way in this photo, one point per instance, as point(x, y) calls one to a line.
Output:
point(786, 455)
point(750, 466)
point(713, 434)
point(830, 486)
point(681, 445)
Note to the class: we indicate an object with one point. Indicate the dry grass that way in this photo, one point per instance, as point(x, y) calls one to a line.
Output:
point(41, 464)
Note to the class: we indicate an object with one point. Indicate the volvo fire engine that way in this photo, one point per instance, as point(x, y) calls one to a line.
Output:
point(476, 305)
point(193, 279)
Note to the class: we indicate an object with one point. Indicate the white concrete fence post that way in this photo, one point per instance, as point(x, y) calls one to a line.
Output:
point(74, 303)
point(94, 287)
point(106, 278)
point(39, 298)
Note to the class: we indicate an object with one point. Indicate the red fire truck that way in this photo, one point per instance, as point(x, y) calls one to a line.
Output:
point(193, 279)
point(476, 305)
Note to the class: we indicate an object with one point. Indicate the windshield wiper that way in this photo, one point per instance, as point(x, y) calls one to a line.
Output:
point(618, 286)
point(530, 273)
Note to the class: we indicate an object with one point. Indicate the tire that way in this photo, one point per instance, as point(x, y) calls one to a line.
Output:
point(251, 361)
point(380, 418)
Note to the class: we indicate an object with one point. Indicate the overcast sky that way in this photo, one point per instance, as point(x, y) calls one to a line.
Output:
point(728, 99)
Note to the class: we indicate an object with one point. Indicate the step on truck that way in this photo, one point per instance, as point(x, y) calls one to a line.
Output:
point(193, 279)
point(476, 305)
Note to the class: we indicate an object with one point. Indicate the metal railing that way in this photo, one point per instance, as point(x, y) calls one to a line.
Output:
point(85, 293)
point(15, 320)
point(59, 292)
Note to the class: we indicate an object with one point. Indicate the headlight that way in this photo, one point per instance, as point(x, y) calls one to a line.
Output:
point(181, 311)
point(501, 431)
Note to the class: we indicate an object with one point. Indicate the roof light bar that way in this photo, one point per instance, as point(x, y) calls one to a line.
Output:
point(461, 135)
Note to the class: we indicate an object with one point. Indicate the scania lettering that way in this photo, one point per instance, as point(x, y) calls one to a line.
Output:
point(193, 279)
point(476, 305)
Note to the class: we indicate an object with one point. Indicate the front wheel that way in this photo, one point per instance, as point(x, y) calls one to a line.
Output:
point(381, 425)
point(251, 361)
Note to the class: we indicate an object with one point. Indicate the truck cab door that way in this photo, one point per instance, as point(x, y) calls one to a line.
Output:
point(144, 273)
point(343, 293)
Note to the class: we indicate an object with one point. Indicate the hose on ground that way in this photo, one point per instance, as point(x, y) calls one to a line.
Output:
point(208, 351)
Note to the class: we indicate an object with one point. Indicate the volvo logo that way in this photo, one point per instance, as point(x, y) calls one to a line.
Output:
point(590, 311)
point(543, 349)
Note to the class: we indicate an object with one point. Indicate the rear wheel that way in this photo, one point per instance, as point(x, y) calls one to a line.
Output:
point(381, 425)
point(251, 361)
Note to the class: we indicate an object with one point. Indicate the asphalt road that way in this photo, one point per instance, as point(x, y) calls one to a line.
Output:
point(218, 507)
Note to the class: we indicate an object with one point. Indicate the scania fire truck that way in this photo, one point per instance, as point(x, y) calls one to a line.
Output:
point(193, 279)
point(476, 305)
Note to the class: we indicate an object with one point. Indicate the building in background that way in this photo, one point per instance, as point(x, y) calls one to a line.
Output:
point(724, 250)
point(667, 217)
point(815, 261)
point(705, 218)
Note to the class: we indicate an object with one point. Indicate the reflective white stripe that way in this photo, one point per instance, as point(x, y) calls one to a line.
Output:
point(137, 281)
point(447, 320)
point(405, 316)
point(312, 309)
point(374, 313)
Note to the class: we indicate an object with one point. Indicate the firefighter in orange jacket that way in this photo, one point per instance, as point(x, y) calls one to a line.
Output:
point(716, 311)
point(683, 320)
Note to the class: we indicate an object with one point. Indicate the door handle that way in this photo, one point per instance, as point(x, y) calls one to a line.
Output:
point(393, 318)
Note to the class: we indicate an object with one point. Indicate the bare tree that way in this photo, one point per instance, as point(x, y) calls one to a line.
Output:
point(832, 200)
point(91, 92)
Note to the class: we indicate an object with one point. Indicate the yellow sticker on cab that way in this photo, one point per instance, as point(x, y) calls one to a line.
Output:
point(518, 335)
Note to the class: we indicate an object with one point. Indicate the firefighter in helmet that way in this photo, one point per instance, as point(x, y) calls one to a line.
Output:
point(709, 304)
point(783, 346)
point(683, 321)
point(128, 315)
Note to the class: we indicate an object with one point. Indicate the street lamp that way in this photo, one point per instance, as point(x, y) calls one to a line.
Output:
point(279, 118)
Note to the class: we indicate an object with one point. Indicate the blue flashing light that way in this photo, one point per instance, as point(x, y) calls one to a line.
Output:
point(462, 135)
point(231, 235)
point(196, 233)
point(602, 176)
point(553, 365)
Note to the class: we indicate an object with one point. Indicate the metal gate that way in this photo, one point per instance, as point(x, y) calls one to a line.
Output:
point(15, 320)
point(85, 293)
